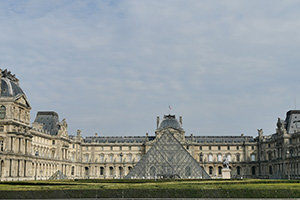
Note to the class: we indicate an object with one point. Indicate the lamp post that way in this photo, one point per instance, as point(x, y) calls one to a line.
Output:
point(201, 159)
point(36, 156)
point(288, 167)
point(121, 159)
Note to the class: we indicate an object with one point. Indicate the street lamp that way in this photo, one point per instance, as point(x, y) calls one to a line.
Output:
point(288, 167)
point(36, 156)
point(121, 159)
point(201, 159)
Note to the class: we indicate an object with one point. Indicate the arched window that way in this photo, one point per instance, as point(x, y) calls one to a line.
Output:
point(87, 173)
point(129, 168)
point(188, 172)
point(121, 171)
point(253, 170)
point(87, 158)
point(210, 158)
point(152, 171)
point(210, 170)
point(270, 155)
point(111, 158)
point(220, 170)
point(219, 157)
point(229, 157)
point(72, 170)
point(129, 158)
point(238, 158)
point(101, 171)
point(252, 157)
point(101, 158)
point(1, 168)
point(2, 112)
point(238, 170)
point(1, 144)
point(111, 171)
point(270, 170)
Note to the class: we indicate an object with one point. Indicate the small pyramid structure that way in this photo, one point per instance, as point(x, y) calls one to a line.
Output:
point(167, 158)
point(58, 176)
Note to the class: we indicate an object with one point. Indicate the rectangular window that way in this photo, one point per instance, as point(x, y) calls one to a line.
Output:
point(86, 158)
point(209, 147)
point(53, 142)
point(129, 148)
point(101, 171)
point(237, 147)
point(238, 158)
point(219, 147)
point(228, 147)
point(129, 158)
point(1, 128)
point(252, 147)
point(11, 143)
point(101, 158)
point(110, 158)
point(200, 148)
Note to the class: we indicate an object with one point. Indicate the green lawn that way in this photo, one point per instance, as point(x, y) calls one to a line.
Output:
point(151, 184)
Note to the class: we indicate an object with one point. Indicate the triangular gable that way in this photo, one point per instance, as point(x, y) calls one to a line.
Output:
point(21, 99)
point(167, 158)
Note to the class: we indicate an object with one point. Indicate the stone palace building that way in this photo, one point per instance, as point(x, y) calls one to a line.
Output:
point(41, 149)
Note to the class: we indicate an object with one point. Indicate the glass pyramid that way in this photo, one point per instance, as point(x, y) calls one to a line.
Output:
point(167, 158)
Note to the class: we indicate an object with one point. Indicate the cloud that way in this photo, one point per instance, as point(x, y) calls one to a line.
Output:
point(111, 66)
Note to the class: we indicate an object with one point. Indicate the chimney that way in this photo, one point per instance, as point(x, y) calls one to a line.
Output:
point(157, 121)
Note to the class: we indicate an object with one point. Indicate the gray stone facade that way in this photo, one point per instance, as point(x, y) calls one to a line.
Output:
point(41, 149)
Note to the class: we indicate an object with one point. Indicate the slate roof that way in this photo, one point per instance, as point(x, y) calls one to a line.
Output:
point(126, 139)
point(49, 120)
point(220, 139)
point(10, 88)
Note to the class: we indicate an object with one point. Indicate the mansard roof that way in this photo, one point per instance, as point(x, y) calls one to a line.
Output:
point(126, 139)
point(220, 139)
point(50, 121)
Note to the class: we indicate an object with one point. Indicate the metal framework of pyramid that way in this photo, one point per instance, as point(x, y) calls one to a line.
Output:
point(167, 158)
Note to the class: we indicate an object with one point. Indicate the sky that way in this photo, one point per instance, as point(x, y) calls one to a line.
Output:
point(228, 67)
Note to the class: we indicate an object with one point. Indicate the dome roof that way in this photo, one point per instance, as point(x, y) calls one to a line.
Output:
point(169, 121)
point(9, 85)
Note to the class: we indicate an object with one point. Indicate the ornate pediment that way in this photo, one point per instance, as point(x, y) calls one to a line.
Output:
point(21, 99)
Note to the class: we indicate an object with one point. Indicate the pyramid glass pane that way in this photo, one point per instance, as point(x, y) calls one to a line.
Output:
point(167, 158)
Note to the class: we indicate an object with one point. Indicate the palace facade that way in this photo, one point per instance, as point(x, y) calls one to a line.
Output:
point(39, 150)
